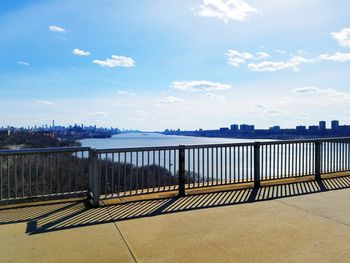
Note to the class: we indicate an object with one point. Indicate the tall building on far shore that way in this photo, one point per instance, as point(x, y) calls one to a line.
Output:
point(335, 125)
point(322, 125)
point(234, 128)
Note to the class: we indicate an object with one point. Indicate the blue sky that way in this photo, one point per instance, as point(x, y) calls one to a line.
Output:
point(156, 64)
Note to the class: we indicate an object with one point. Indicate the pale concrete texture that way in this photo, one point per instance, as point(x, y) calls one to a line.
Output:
point(300, 222)
point(97, 243)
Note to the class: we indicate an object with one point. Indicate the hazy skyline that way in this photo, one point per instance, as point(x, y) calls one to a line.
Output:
point(152, 65)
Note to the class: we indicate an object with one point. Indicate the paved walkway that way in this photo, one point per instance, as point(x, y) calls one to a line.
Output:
point(300, 222)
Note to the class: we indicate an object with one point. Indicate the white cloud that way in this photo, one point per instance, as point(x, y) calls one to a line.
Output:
point(236, 58)
point(126, 104)
point(97, 114)
point(270, 109)
point(280, 51)
point(302, 115)
point(171, 100)
point(276, 112)
point(271, 66)
point(262, 55)
point(342, 37)
point(57, 29)
point(338, 57)
point(23, 63)
point(214, 96)
point(226, 10)
point(46, 102)
point(200, 85)
point(80, 52)
point(116, 61)
point(125, 92)
point(306, 90)
point(330, 93)
point(259, 106)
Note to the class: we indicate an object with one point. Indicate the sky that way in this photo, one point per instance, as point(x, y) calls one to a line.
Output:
point(157, 64)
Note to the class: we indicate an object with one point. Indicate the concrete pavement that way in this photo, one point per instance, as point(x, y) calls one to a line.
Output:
point(306, 225)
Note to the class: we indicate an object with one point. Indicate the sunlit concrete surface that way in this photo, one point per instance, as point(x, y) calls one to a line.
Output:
point(298, 222)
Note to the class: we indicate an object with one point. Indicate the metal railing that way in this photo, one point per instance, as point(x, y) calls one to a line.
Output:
point(112, 173)
point(43, 173)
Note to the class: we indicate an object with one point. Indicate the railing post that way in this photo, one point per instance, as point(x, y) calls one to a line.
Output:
point(95, 178)
point(182, 179)
point(317, 160)
point(257, 164)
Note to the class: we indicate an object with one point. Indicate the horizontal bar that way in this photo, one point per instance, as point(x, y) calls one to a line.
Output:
point(137, 149)
point(44, 150)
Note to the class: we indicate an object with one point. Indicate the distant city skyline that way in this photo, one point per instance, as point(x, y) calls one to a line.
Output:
point(152, 65)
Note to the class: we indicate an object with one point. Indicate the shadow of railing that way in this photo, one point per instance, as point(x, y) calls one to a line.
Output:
point(55, 217)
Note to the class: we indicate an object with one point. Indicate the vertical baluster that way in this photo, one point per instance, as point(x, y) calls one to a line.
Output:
point(169, 182)
point(119, 174)
point(212, 165)
point(207, 166)
point(113, 168)
point(8, 178)
point(251, 162)
point(57, 173)
point(239, 160)
point(22, 174)
point(142, 171)
point(234, 165)
point(15, 168)
point(125, 182)
point(1, 179)
point(154, 170)
point(136, 173)
point(198, 168)
point(246, 163)
point(217, 165)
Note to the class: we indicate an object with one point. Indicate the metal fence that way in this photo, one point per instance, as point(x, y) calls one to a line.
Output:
point(134, 171)
point(43, 173)
point(111, 173)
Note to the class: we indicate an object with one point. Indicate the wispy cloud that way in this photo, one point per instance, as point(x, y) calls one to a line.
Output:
point(116, 61)
point(23, 63)
point(97, 114)
point(57, 29)
point(125, 104)
point(214, 96)
point(171, 100)
point(80, 52)
point(280, 51)
point(200, 85)
point(226, 10)
point(271, 66)
point(125, 92)
point(337, 57)
point(46, 102)
point(262, 108)
point(342, 37)
point(236, 58)
point(330, 93)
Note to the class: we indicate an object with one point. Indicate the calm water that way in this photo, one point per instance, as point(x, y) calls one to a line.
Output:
point(152, 139)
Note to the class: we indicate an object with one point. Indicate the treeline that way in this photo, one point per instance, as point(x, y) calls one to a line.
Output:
point(31, 140)
point(34, 175)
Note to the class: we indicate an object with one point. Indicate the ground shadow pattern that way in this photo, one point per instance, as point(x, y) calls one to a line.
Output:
point(62, 216)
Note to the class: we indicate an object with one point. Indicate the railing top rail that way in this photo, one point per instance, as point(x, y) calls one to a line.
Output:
point(44, 150)
point(137, 149)
point(212, 145)
point(339, 139)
